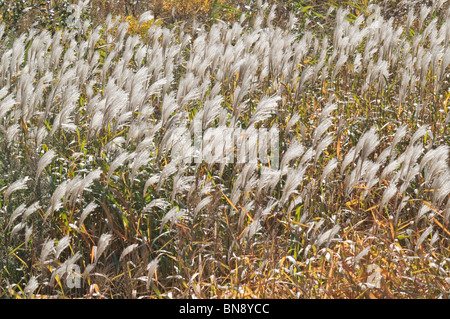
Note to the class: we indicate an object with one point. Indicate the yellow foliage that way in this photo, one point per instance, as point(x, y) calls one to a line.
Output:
point(135, 28)
point(188, 7)
point(182, 7)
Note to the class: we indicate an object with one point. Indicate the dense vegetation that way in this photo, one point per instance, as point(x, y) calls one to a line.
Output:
point(95, 107)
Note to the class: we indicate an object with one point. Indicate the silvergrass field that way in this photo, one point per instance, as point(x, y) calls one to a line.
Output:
point(96, 201)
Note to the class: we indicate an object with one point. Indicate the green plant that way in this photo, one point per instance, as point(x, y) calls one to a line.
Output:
point(102, 185)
